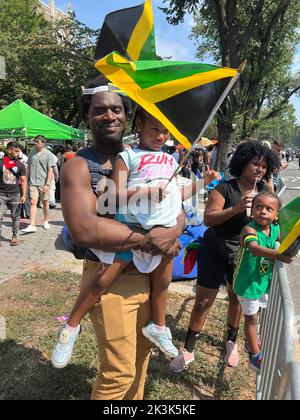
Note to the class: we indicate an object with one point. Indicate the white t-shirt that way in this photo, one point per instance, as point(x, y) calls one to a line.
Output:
point(151, 169)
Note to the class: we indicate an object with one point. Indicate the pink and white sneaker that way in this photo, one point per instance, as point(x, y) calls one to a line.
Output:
point(183, 359)
point(232, 356)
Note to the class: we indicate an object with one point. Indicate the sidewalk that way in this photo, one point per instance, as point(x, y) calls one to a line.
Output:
point(43, 250)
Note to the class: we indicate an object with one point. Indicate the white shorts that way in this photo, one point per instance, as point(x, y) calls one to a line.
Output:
point(144, 262)
point(251, 306)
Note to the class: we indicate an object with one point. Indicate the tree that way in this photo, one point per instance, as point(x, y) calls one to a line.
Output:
point(47, 63)
point(62, 60)
point(281, 127)
point(17, 22)
point(296, 137)
point(263, 32)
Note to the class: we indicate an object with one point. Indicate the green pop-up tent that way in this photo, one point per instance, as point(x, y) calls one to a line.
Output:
point(20, 120)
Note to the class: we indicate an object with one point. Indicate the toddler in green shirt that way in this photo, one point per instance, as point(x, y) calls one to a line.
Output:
point(254, 270)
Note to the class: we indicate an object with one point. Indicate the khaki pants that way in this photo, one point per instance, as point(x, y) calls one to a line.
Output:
point(123, 350)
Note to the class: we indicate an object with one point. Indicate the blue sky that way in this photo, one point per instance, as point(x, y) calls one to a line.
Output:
point(170, 40)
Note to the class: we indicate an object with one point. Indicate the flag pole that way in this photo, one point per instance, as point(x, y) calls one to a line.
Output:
point(212, 114)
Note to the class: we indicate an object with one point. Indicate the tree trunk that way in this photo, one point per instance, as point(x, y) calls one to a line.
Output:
point(225, 138)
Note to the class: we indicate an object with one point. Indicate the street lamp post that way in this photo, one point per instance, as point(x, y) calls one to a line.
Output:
point(2, 68)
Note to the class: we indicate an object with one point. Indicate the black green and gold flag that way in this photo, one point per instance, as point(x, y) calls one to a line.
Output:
point(289, 221)
point(129, 32)
point(183, 96)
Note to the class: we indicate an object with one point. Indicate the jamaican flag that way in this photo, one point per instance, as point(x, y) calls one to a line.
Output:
point(183, 96)
point(289, 221)
point(130, 32)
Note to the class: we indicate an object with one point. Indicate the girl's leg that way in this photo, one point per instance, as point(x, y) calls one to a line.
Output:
point(94, 289)
point(234, 309)
point(251, 326)
point(232, 357)
point(156, 331)
point(160, 280)
point(88, 297)
point(234, 314)
point(204, 300)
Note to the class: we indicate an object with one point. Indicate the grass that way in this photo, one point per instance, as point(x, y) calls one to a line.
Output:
point(30, 303)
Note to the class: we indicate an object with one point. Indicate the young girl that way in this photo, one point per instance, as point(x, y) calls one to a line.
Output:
point(254, 270)
point(141, 200)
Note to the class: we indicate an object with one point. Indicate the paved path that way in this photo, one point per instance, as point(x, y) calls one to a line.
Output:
point(43, 250)
point(291, 177)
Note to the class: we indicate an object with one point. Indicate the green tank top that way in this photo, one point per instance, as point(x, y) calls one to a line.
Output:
point(253, 275)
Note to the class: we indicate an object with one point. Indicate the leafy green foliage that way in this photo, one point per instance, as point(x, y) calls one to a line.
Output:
point(263, 32)
point(47, 62)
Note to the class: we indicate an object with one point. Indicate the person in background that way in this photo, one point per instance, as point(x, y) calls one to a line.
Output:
point(40, 174)
point(277, 148)
point(54, 182)
point(61, 151)
point(25, 208)
point(11, 172)
point(182, 153)
point(22, 157)
point(70, 153)
point(59, 154)
point(195, 162)
point(213, 157)
point(174, 153)
point(80, 146)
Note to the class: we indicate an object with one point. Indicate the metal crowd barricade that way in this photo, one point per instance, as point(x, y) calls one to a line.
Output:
point(279, 376)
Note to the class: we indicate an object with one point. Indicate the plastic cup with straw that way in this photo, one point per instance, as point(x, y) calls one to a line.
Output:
point(252, 194)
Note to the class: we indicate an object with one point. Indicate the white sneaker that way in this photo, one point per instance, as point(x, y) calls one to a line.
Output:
point(29, 229)
point(46, 225)
point(64, 347)
point(163, 340)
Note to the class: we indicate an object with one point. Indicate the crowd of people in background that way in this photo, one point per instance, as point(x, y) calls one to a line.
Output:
point(30, 179)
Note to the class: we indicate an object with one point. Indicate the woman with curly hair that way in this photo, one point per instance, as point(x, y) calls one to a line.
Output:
point(226, 214)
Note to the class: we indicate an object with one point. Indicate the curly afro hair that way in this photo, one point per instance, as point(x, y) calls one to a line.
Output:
point(268, 194)
point(250, 150)
point(84, 101)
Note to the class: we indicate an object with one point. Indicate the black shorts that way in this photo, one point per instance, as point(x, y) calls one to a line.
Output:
point(216, 261)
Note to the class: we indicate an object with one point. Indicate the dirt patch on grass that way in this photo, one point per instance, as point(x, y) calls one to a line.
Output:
point(30, 303)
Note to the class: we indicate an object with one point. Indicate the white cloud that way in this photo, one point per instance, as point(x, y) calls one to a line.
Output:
point(174, 49)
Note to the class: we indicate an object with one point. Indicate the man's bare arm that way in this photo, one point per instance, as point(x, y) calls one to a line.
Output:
point(79, 209)
point(161, 240)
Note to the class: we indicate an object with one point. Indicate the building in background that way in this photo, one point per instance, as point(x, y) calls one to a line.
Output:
point(52, 13)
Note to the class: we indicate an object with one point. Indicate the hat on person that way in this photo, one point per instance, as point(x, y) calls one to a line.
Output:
point(267, 143)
